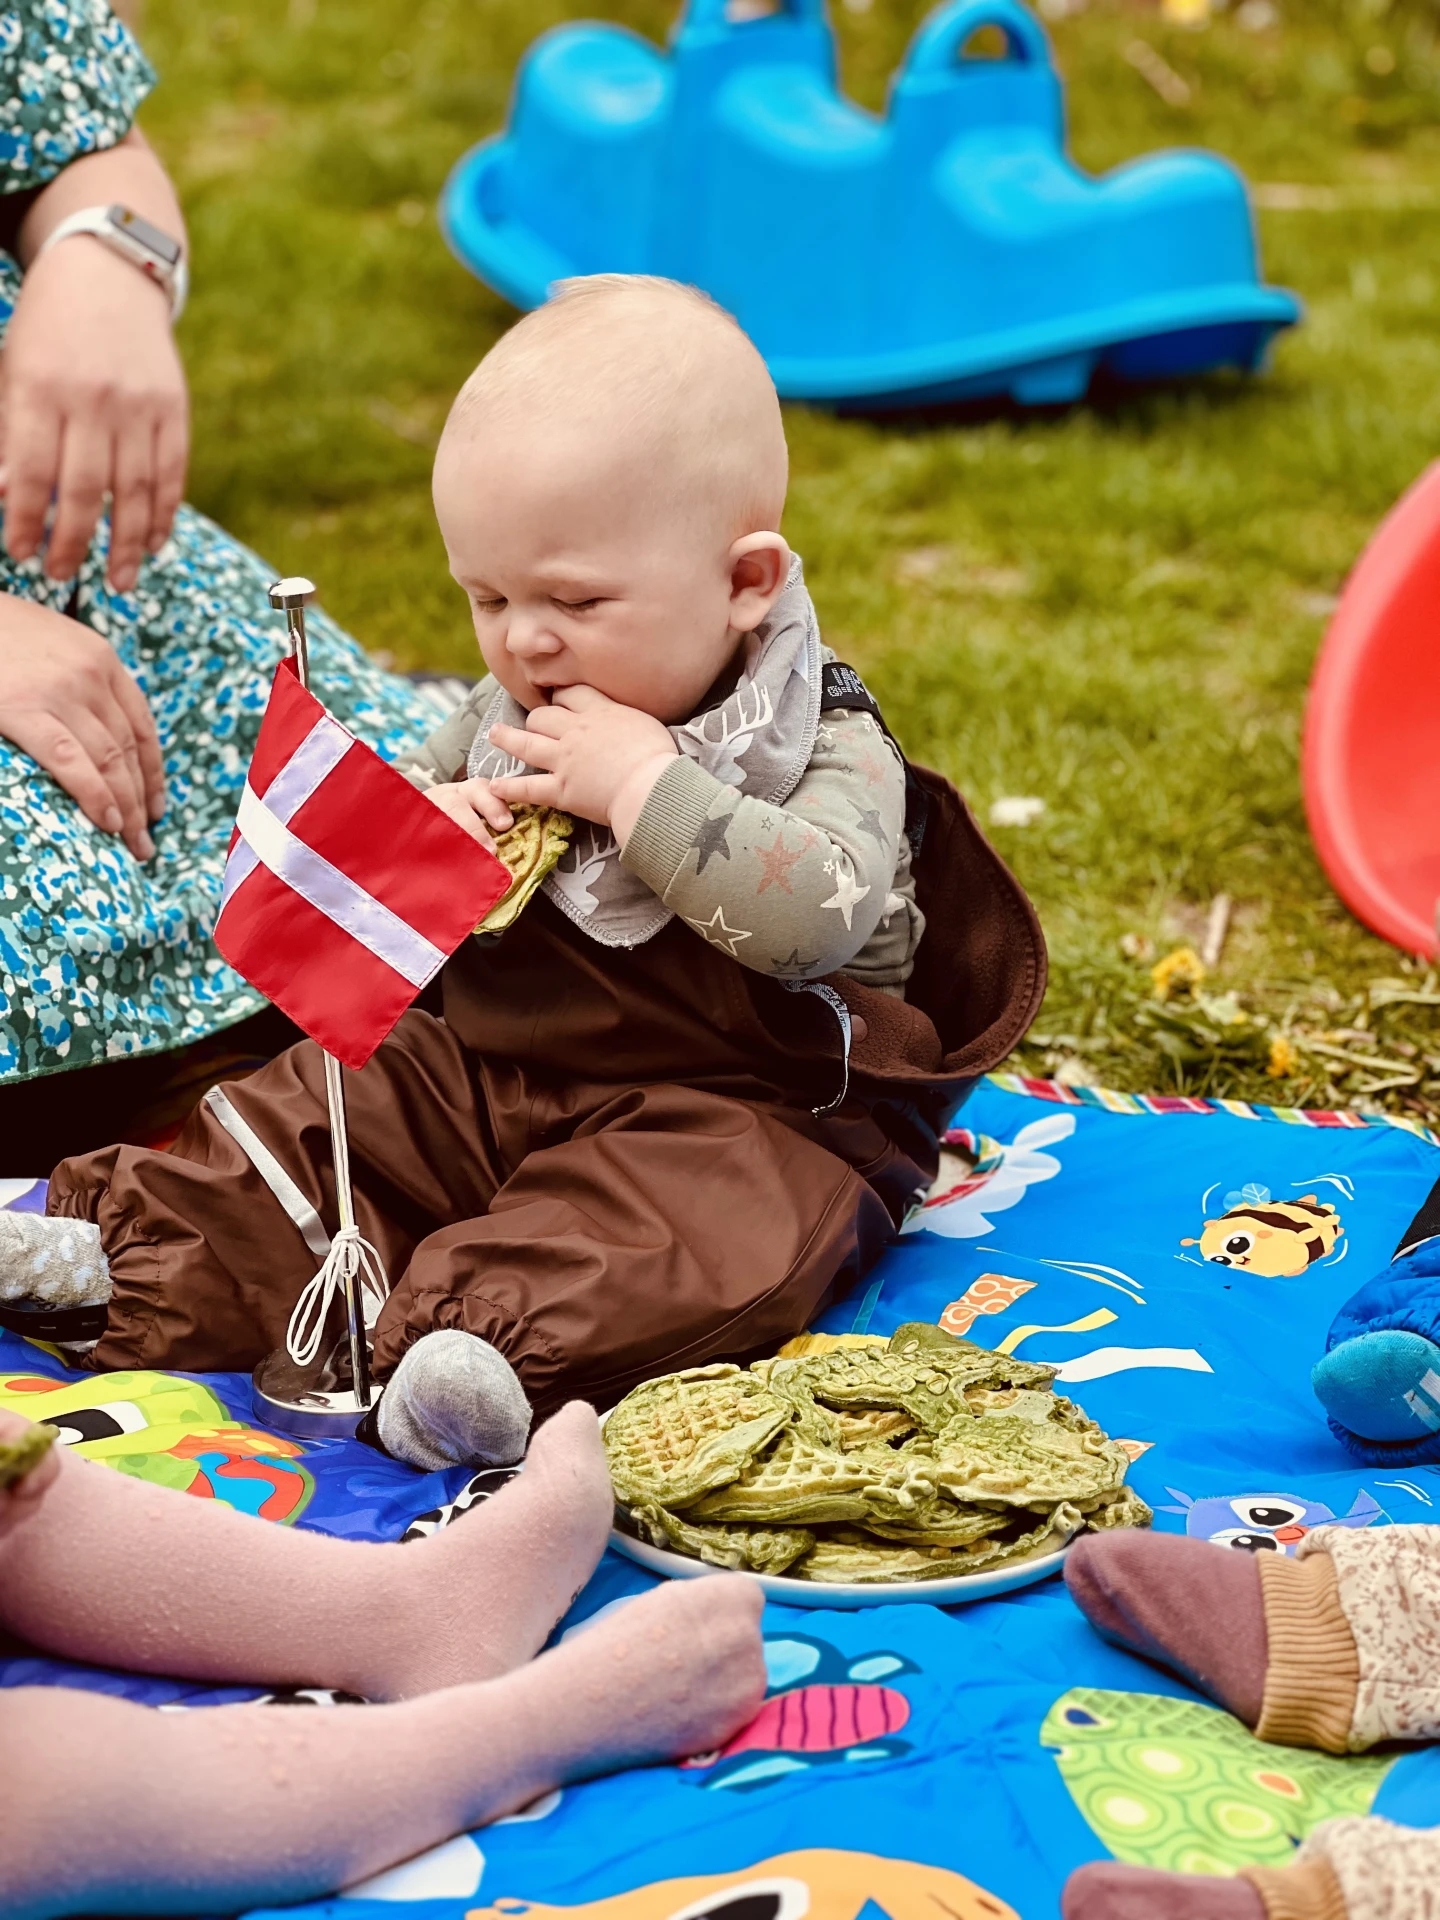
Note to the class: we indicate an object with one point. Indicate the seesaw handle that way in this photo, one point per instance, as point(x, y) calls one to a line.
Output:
point(936, 47)
point(715, 13)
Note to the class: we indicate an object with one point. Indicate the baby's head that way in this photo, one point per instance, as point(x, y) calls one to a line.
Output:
point(609, 486)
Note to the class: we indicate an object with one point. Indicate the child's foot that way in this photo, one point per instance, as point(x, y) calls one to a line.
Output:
point(51, 1262)
point(454, 1401)
point(1195, 1608)
point(676, 1672)
point(1106, 1890)
point(1382, 1386)
point(481, 1596)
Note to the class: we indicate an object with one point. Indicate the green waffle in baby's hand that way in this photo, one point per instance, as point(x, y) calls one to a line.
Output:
point(528, 851)
point(19, 1458)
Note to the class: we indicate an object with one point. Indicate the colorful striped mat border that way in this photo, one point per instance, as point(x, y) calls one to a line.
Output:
point(1114, 1102)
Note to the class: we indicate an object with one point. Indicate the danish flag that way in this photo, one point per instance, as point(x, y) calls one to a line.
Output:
point(345, 889)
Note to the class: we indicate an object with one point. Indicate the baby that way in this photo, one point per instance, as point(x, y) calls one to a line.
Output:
point(609, 487)
point(691, 1093)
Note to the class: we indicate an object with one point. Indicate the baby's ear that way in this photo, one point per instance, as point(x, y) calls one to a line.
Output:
point(759, 564)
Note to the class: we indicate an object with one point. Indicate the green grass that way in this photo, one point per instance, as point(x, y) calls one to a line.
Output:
point(1115, 609)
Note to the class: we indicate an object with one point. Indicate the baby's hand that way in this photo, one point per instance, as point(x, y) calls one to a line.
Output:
point(599, 759)
point(473, 805)
point(19, 1494)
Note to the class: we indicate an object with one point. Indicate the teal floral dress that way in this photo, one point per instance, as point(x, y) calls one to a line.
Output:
point(101, 957)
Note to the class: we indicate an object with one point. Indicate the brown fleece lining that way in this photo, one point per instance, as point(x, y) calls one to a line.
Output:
point(1308, 1891)
point(1312, 1671)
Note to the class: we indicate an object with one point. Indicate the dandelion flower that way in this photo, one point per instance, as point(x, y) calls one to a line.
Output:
point(1178, 975)
point(1283, 1058)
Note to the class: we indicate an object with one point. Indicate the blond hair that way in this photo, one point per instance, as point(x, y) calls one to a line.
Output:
point(645, 358)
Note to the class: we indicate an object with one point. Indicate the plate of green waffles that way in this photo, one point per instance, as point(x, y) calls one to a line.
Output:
point(856, 1471)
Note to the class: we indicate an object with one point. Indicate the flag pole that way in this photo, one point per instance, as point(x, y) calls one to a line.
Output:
point(291, 597)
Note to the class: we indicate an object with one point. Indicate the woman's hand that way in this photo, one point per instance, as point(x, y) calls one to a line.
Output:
point(600, 758)
point(92, 401)
point(66, 700)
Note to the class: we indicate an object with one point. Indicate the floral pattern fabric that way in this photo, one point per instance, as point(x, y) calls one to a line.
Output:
point(71, 77)
point(101, 957)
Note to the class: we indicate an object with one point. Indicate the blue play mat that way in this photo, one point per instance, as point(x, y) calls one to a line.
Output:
point(914, 1761)
point(947, 250)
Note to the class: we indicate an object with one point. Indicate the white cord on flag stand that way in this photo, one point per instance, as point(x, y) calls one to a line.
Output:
point(352, 1267)
point(351, 1260)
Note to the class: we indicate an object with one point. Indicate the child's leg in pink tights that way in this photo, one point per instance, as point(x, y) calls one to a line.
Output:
point(106, 1569)
point(118, 1809)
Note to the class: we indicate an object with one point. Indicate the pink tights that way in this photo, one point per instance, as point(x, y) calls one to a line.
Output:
point(238, 1806)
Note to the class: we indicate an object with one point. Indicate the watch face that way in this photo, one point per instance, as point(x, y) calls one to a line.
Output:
point(151, 238)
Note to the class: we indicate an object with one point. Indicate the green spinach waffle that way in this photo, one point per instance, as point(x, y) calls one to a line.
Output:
point(915, 1458)
point(528, 850)
point(22, 1455)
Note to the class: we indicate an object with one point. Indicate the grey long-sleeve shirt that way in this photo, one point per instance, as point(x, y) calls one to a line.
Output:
point(819, 885)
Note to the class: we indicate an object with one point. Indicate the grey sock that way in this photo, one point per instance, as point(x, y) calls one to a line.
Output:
point(52, 1262)
point(454, 1401)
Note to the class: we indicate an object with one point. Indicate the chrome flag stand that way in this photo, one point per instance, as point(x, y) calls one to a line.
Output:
point(297, 1388)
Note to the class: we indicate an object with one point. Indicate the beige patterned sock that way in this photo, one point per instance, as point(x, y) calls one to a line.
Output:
point(51, 1262)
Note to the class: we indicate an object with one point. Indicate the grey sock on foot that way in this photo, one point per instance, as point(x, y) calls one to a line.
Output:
point(51, 1262)
point(454, 1400)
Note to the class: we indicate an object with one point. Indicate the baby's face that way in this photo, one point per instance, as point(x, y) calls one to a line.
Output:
point(579, 571)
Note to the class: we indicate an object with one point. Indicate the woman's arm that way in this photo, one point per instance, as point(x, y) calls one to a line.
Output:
point(92, 395)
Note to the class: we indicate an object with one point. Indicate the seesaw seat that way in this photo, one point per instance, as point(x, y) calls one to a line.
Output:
point(949, 248)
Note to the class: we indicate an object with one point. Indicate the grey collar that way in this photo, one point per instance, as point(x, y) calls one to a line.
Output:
point(759, 738)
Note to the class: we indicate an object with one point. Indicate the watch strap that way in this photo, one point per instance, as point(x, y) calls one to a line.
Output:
point(129, 234)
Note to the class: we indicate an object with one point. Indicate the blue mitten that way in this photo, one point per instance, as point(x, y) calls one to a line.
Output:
point(1382, 1386)
point(1379, 1381)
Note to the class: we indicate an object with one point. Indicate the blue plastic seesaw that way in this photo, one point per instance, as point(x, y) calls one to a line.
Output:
point(948, 250)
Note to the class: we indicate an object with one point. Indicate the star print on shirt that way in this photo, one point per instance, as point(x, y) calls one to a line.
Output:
point(847, 894)
point(776, 864)
point(718, 934)
point(711, 839)
point(868, 821)
point(871, 769)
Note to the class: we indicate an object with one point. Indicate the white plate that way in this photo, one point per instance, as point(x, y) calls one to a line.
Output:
point(816, 1593)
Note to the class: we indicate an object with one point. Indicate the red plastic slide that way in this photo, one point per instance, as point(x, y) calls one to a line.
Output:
point(1371, 759)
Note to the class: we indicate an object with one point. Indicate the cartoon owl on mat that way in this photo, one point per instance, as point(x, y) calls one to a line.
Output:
point(1265, 1522)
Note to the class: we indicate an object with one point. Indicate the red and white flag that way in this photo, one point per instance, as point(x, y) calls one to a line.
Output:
point(346, 890)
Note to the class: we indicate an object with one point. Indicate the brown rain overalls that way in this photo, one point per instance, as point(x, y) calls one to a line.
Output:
point(604, 1161)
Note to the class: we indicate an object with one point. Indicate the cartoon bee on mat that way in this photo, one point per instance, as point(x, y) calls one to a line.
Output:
point(1276, 1238)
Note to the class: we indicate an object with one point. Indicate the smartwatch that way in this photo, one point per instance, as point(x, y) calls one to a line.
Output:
point(137, 240)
